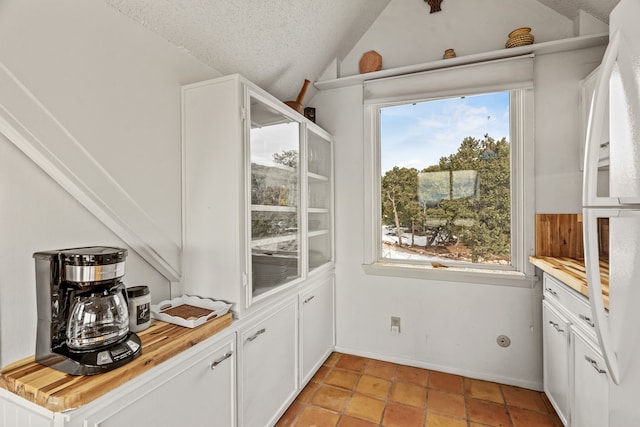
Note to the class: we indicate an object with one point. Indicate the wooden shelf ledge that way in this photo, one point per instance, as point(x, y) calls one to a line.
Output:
point(544, 48)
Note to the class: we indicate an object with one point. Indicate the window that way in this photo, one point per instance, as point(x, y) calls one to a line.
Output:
point(446, 181)
point(451, 176)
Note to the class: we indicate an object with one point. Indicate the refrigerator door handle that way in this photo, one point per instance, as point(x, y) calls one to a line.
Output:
point(594, 129)
point(592, 263)
point(629, 200)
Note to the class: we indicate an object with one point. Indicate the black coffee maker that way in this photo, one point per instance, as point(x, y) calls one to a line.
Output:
point(83, 318)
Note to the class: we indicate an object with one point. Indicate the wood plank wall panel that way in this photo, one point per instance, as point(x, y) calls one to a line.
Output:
point(559, 235)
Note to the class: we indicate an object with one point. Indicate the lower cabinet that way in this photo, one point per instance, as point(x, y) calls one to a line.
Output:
point(15, 413)
point(268, 366)
point(555, 356)
point(317, 327)
point(195, 388)
point(199, 392)
point(591, 384)
point(575, 377)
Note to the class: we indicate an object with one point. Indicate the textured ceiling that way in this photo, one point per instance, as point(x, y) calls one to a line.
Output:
point(279, 43)
point(274, 43)
point(599, 9)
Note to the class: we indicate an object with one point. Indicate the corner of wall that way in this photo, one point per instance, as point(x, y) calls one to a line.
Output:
point(585, 24)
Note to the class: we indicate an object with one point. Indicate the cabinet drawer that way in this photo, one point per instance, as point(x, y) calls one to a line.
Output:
point(576, 305)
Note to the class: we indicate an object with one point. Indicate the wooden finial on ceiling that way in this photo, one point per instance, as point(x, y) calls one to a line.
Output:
point(435, 5)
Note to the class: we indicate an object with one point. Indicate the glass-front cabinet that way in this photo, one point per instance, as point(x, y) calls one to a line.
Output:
point(274, 147)
point(320, 199)
point(258, 194)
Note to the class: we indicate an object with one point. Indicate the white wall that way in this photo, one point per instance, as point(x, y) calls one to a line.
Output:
point(36, 214)
point(115, 87)
point(446, 326)
point(452, 326)
point(406, 33)
point(557, 161)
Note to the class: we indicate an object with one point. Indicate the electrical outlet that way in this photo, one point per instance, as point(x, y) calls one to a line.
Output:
point(395, 325)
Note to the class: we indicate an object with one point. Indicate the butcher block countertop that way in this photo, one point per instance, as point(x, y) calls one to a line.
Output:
point(58, 391)
point(572, 273)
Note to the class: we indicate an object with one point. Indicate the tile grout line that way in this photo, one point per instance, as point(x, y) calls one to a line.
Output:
point(506, 407)
point(393, 380)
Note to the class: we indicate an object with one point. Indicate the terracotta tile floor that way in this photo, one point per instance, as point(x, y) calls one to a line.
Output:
point(353, 391)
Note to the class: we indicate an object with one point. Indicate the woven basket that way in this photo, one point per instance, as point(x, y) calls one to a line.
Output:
point(449, 53)
point(519, 31)
point(521, 40)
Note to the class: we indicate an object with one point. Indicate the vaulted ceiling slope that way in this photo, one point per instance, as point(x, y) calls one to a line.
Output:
point(274, 43)
point(279, 43)
point(599, 9)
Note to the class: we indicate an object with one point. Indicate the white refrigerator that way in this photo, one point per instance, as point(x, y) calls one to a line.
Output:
point(614, 193)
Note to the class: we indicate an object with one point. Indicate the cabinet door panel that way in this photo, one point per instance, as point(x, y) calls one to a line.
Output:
point(195, 396)
point(591, 386)
point(317, 326)
point(555, 333)
point(14, 415)
point(319, 199)
point(274, 147)
point(269, 367)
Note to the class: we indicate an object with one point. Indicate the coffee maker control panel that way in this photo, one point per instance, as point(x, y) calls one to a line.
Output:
point(118, 352)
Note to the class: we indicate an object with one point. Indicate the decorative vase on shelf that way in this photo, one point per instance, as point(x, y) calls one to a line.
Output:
point(519, 37)
point(371, 61)
point(449, 53)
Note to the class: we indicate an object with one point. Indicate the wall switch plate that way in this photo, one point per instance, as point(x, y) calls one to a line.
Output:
point(395, 325)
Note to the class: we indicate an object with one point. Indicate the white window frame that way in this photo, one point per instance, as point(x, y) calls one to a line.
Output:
point(486, 78)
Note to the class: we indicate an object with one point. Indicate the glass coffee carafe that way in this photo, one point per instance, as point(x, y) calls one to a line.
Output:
point(83, 317)
point(97, 319)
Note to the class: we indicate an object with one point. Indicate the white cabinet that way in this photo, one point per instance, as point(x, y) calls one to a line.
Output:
point(317, 326)
point(268, 366)
point(575, 378)
point(16, 412)
point(591, 384)
point(258, 194)
point(555, 333)
point(195, 388)
point(200, 391)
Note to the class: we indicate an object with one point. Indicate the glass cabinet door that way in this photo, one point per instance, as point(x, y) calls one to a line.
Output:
point(275, 197)
point(319, 220)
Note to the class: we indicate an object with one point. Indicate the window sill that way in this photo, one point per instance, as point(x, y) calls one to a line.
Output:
point(451, 274)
